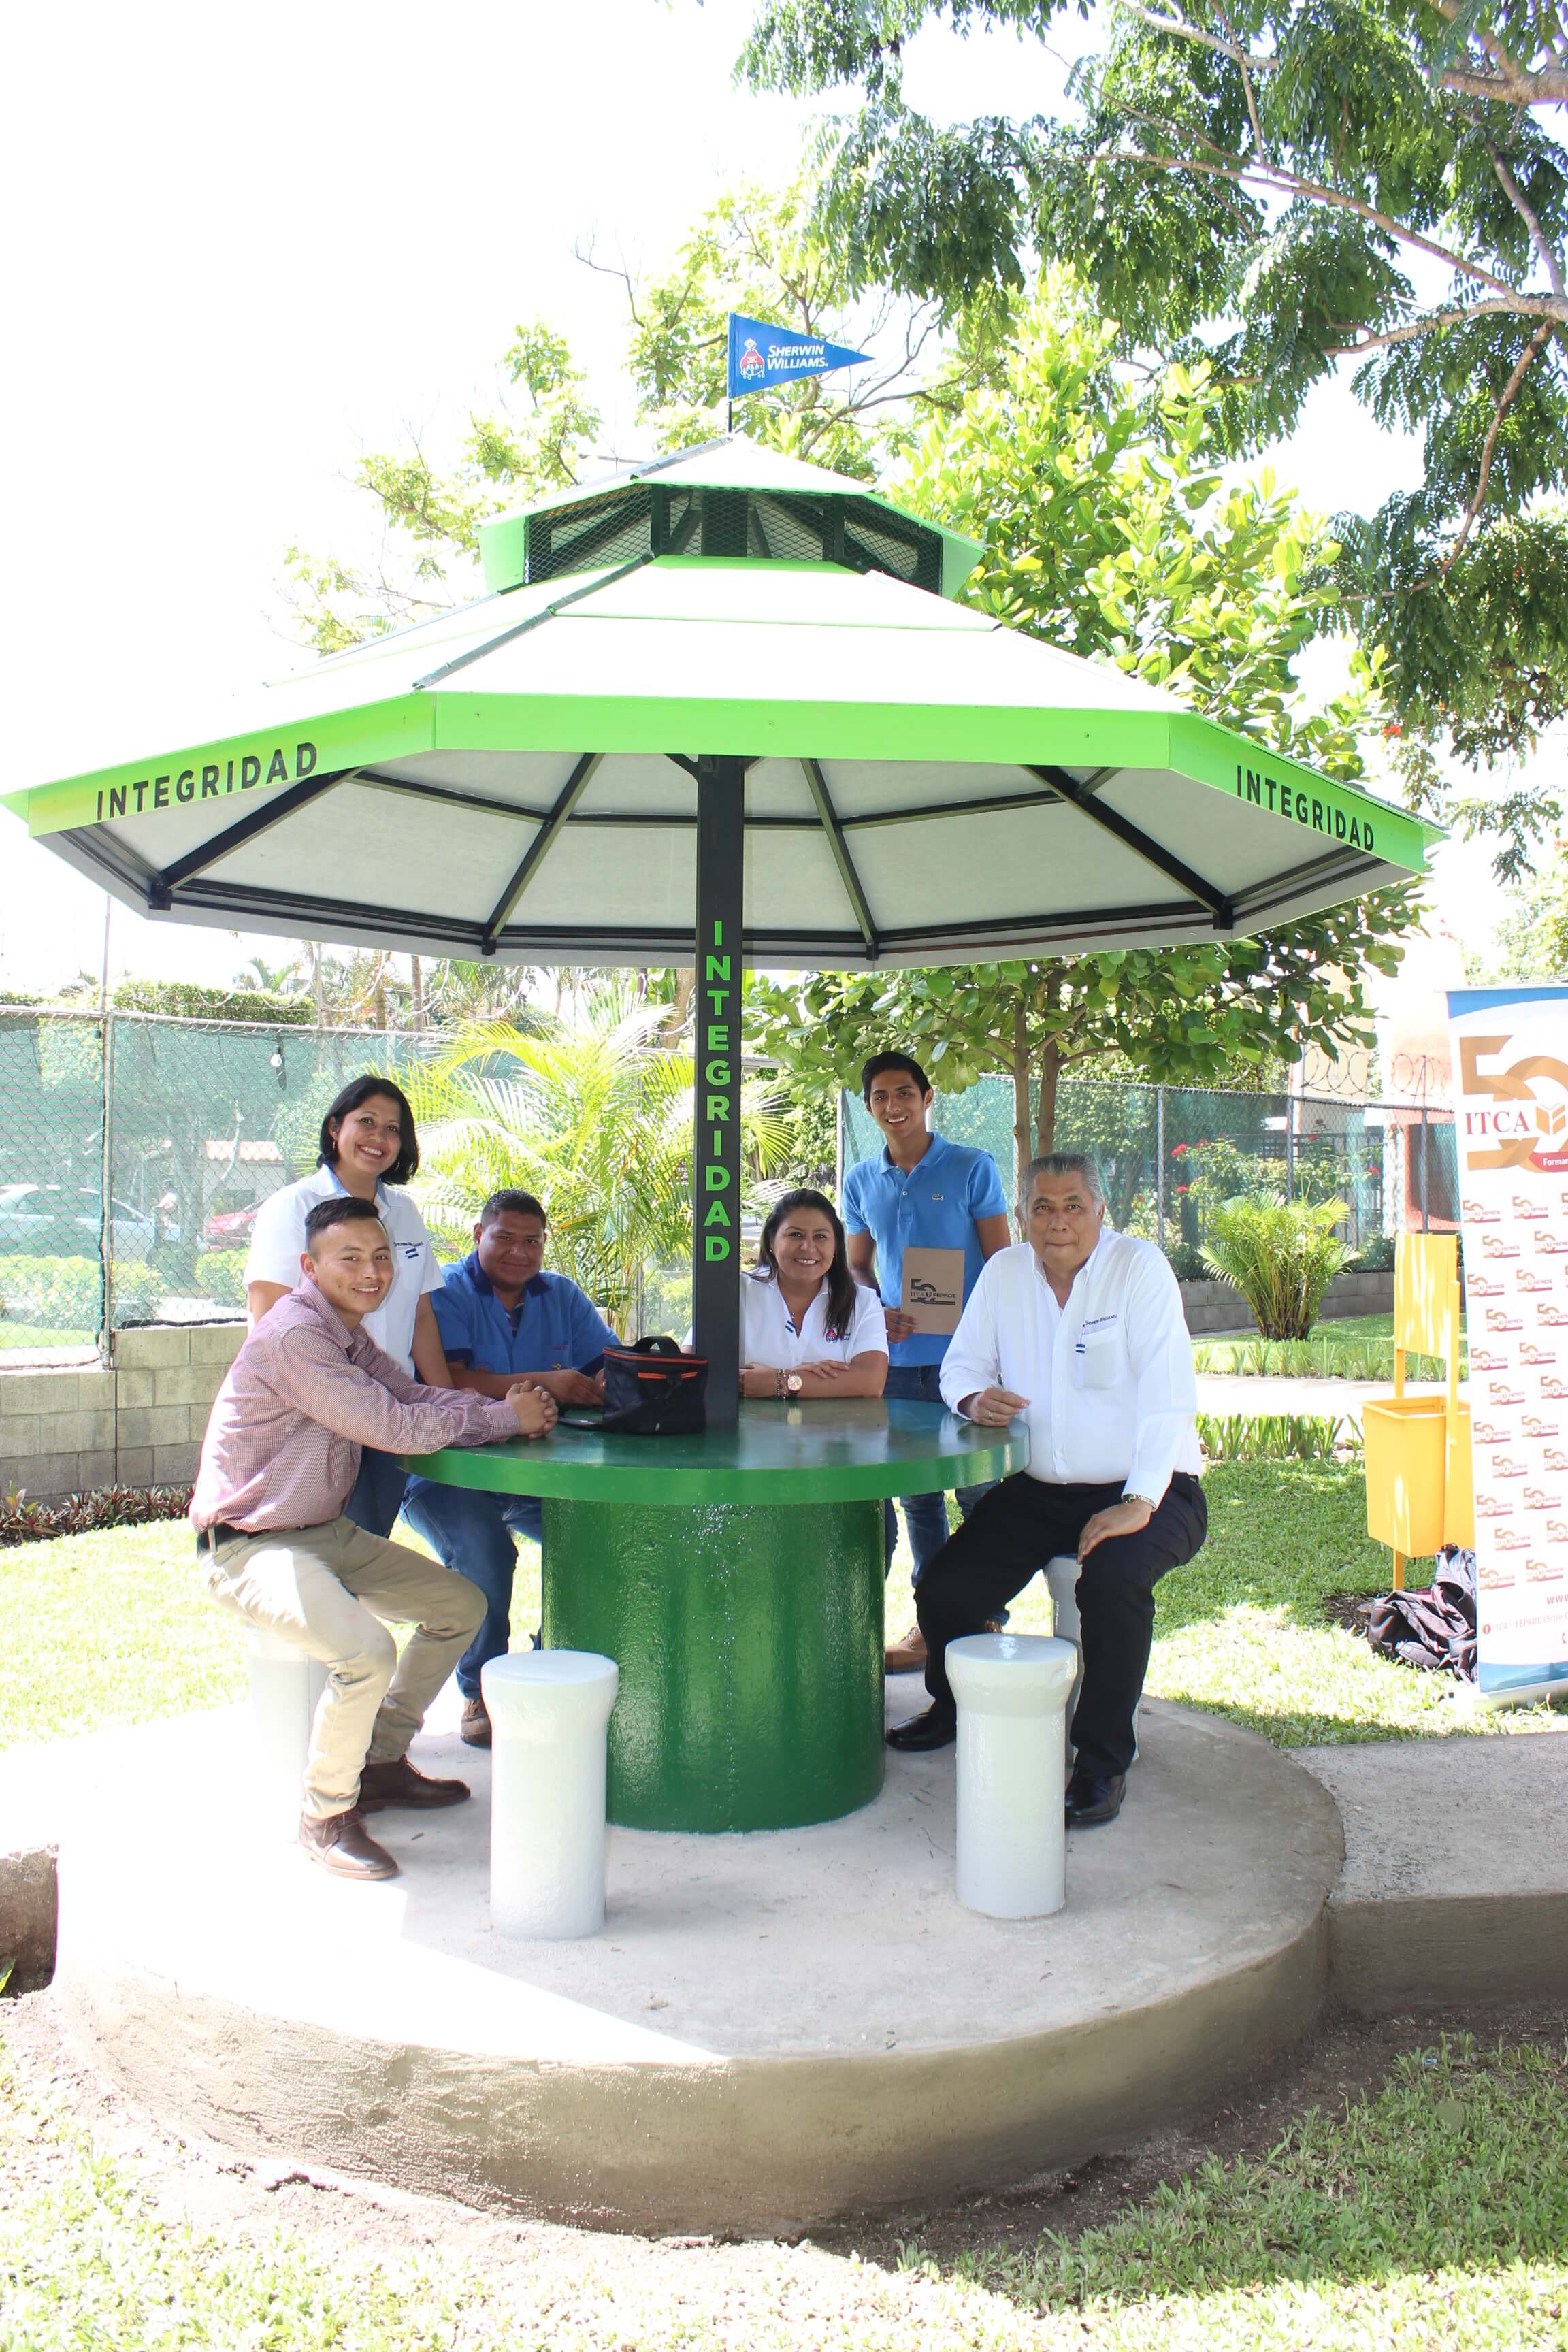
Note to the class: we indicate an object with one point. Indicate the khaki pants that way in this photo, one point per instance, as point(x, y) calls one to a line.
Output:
point(326, 1589)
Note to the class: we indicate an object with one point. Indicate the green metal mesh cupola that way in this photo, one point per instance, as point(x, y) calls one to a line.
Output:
point(727, 500)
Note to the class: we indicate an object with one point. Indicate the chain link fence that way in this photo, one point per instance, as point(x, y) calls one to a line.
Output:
point(1169, 1155)
point(192, 1122)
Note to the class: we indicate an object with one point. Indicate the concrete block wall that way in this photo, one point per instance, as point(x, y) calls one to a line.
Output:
point(1215, 1306)
point(135, 1421)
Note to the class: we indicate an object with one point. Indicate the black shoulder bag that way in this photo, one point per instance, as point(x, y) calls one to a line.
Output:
point(651, 1389)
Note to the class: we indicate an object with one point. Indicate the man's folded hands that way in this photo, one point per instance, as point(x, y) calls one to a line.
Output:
point(535, 1409)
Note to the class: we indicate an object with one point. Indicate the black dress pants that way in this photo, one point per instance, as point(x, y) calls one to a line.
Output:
point(1015, 1529)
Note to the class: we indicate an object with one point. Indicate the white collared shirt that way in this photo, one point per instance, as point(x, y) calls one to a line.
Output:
point(278, 1236)
point(1112, 1394)
point(768, 1335)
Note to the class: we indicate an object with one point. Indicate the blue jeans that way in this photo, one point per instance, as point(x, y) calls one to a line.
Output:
point(472, 1532)
point(924, 1515)
point(377, 1496)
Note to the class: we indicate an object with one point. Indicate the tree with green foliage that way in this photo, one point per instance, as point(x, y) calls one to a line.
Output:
point(1107, 530)
point(1532, 941)
point(536, 439)
point(1282, 186)
point(755, 250)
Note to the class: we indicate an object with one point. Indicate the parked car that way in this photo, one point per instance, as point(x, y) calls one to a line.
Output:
point(229, 1228)
point(66, 1220)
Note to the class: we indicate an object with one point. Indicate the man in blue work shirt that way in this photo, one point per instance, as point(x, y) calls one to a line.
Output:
point(920, 1192)
point(499, 1314)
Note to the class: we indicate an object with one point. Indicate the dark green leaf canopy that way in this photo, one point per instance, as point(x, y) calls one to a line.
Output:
point(1285, 186)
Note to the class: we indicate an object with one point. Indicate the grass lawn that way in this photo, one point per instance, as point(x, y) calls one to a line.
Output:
point(1241, 1629)
point(1354, 1347)
point(112, 1628)
point(1434, 2214)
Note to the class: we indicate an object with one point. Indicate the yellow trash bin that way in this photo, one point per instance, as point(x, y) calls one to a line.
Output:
point(1406, 1442)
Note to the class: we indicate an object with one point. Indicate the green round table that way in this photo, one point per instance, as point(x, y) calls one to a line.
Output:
point(736, 1579)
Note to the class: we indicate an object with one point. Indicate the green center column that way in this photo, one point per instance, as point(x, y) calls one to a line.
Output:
point(716, 1087)
point(750, 1637)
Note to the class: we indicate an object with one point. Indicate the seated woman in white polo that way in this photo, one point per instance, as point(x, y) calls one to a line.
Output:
point(809, 1329)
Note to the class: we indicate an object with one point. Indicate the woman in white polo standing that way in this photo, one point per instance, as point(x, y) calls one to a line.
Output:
point(368, 1147)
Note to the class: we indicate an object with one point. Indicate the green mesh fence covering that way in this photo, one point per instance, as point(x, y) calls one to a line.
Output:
point(196, 1122)
point(1395, 1167)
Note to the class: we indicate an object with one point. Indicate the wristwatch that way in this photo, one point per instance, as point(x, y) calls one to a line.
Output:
point(794, 1383)
point(1147, 1500)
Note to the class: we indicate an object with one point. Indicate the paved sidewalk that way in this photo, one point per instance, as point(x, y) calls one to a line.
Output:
point(1455, 1885)
point(1228, 1393)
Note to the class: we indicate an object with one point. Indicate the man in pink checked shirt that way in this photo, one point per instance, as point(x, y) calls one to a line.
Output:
point(306, 1391)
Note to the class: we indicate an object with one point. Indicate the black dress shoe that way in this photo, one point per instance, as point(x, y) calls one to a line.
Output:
point(937, 1728)
point(1093, 1798)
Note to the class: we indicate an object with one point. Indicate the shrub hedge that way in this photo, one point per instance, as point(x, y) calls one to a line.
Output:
point(66, 1294)
point(220, 1276)
point(106, 1507)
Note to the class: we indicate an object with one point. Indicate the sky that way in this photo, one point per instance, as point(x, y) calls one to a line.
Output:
point(247, 245)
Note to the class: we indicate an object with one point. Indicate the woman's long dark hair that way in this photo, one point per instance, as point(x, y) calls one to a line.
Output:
point(841, 1283)
point(360, 1090)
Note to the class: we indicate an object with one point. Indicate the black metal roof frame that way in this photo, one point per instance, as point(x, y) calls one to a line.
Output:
point(189, 884)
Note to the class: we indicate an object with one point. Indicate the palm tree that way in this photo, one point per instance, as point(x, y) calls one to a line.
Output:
point(264, 978)
point(1281, 1255)
point(595, 1120)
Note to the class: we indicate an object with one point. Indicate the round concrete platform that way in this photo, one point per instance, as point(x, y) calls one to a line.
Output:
point(772, 2030)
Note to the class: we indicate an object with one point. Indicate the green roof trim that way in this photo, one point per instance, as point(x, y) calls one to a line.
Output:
point(453, 719)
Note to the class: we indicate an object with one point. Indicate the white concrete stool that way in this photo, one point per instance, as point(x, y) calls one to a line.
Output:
point(285, 1688)
point(1010, 1689)
point(549, 1713)
point(1061, 1581)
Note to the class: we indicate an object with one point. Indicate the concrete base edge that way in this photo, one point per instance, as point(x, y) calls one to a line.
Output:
point(1428, 1951)
point(739, 2148)
point(29, 1914)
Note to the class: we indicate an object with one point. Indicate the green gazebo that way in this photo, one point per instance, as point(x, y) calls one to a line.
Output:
point(722, 709)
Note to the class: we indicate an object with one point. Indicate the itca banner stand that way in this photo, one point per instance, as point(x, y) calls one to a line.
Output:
point(1510, 1115)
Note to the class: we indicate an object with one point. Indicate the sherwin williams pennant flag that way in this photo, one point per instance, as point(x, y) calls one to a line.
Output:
point(761, 355)
point(1510, 1112)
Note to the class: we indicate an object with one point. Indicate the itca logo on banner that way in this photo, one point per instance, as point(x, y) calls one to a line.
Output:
point(1526, 1126)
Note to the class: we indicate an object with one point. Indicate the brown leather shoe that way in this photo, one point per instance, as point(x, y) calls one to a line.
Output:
point(907, 1656)
point(343, 1844)
point(475, 1728)
point(398, 1783)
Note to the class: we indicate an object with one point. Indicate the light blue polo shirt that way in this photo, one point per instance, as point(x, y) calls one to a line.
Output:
point(933, 1205)
point(556, 1327)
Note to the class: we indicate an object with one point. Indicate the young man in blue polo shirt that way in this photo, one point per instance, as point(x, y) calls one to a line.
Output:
point(920, 1192)
point(501, 1313)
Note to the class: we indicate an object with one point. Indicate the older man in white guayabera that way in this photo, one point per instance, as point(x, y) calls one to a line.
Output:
point(1080, 1332)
